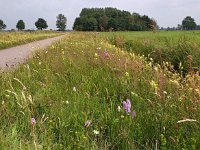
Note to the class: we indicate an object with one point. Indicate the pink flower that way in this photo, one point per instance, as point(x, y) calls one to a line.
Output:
point(106, 53)
point(127, 105)
point(133, 114)
point(87, 123)
point(33, 121)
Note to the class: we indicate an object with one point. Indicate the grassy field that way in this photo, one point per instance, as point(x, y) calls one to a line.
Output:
point(10, 39)
point(84, 93)
point(180, 48)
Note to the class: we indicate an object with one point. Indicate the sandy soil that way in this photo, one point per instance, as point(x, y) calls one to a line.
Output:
point(11, 57)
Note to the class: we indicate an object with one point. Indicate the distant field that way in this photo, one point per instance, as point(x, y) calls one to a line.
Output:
point(10, 39)
point(181, 48)
point(129, 35)
point(85, 93)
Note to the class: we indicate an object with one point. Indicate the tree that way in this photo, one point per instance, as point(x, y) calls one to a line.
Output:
point(41, 24)
point(154, 25)
point(112, 24)
point(112, 19)
point(2, 25)
point(20, 25)
point(189, 23)
point(179, 27)
point(102, 22)
point(89, 24)
point(61, 22)
point(147, 22)
point(78, 24)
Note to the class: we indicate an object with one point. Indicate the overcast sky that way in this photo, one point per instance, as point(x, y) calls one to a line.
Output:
point(166, 12)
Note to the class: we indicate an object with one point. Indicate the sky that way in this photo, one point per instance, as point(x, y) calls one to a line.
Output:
point(165, 12)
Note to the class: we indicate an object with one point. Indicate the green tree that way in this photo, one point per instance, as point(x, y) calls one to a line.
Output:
point(61, 22)
point(90, 24)
point(111, 19)
point(85, 24)
point(112, 24)
point(179, 27)
point(154, 25)
point(20, 25)
point(102, 22)
point(41, 24)
point(189, 23)
point(146, 22)
point(2, 25)
point(78, 24)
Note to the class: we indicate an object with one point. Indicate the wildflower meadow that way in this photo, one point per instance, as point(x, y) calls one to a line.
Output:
point(83, 92)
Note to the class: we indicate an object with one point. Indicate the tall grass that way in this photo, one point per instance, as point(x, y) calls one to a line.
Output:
point(10, 39)
point(180, 48)
point(70, 95)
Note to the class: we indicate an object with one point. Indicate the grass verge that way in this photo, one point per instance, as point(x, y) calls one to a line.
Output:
point(11, 39)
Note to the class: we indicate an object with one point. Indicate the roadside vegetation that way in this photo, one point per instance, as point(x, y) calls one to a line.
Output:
point(180, 49)
point(84, 93)
point(11, 39)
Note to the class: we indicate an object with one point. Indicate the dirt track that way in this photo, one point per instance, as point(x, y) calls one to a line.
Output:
point(11, 57)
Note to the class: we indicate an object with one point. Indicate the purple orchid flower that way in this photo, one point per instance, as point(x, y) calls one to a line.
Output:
point(127, 105)
point(106, 53)
point(33, 121)
point(133, 114)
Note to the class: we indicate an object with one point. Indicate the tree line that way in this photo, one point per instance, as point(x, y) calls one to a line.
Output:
point(106, 19)
point(40, 23)
point(188, 23)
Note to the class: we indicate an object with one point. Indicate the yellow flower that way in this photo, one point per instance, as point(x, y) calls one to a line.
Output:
point(127, 74)
point(96, 55)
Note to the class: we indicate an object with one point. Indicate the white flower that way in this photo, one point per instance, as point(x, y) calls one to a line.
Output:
point(74, 89)
point(27, 66)
point(118, 108)
point(156, 69)
point(165, 92)
point(96, 132)
point(67, 102)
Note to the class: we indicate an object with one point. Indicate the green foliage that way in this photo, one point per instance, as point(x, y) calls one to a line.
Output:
point(87, 24)
point(81, 78)
point(189, 23)
point(2, 25)
point(61, 22)
point(41, 24)
point(112, 19)
point(20, 25)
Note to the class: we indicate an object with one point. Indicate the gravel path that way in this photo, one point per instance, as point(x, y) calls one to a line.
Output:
point(11, 57)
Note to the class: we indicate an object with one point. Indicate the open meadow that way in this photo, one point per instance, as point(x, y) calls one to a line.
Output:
point(96, 91)
point(181, 49)
point(10, 39)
